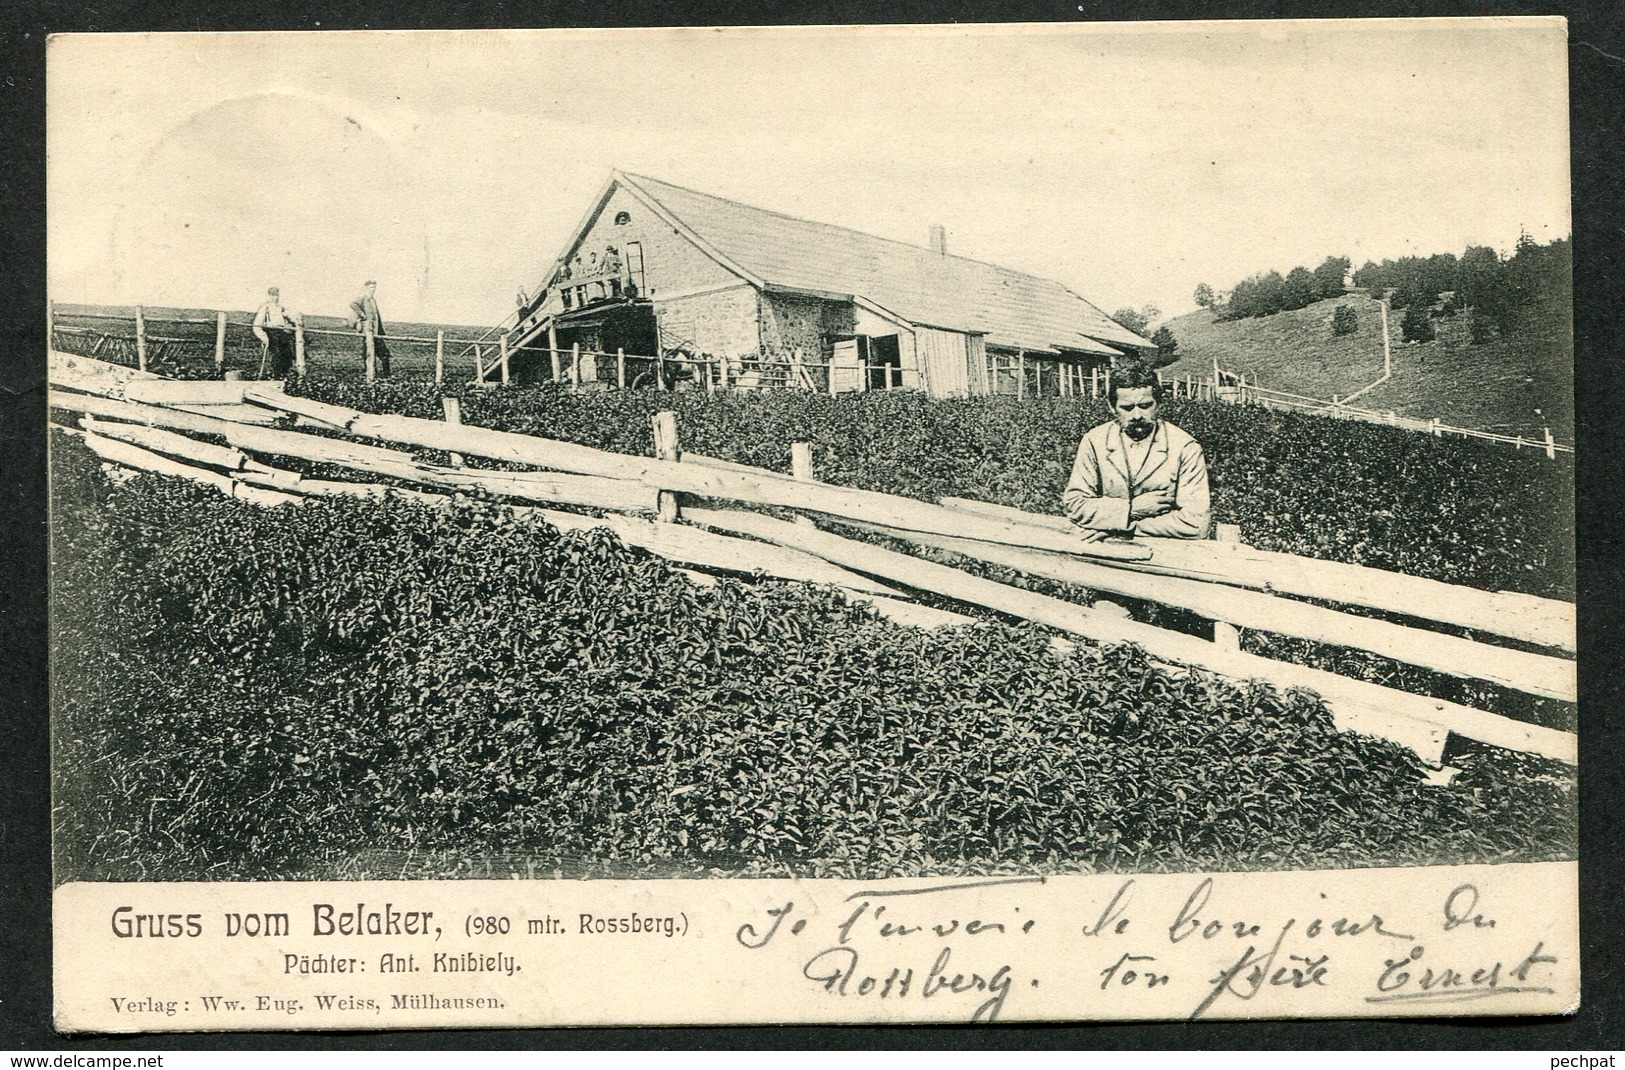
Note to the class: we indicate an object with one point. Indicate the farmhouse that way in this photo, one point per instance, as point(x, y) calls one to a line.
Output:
point(655, 268)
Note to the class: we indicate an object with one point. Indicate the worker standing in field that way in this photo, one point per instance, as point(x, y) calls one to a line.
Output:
point(274, 326)
point(1138, 474)
point(364, 314)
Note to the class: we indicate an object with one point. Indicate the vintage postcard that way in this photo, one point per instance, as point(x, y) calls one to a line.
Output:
point(835, 524)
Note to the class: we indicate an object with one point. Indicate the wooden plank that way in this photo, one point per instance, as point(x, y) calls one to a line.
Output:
point(334, 416)
point(567, 488)
point(242, 414)
point(263, 475)
point(692, 476)
point(92, 376)
point(1542, 621)
point(1350, 701)
point(168, 443)
point(131, 456)
point(689, 545)
point(1535, 674)
point(191, 392)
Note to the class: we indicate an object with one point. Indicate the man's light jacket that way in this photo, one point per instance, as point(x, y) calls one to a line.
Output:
point(1098, 494)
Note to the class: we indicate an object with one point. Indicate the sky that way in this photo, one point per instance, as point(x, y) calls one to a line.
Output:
point(1131, 162)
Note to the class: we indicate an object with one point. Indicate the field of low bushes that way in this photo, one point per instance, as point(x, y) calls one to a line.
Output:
point(351, 688)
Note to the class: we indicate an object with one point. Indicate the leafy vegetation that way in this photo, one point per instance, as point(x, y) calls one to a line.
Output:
point(362, 688)
point(1271, 292)
point(1531, 286)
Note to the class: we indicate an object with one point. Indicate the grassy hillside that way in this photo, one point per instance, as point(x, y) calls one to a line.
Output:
point(1498, 386)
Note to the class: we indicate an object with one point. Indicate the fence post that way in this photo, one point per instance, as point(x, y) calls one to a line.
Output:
point(1551, 447)
point(220, 342)
point(667, 448)
point(660, 369)
point(553, 348)
point(1387, 353)
point(298, 344)
point(575, 363)
point(1225, 634)
point(554, 360)
point(1021, 374)
point(440, 358)
point(801, 467)
point(830, 373)
point(140, 339)
point(709, 368)
point(620, 367)
point(454, 416)
point(1094, 380)
point(502, 355)
point(372, 352)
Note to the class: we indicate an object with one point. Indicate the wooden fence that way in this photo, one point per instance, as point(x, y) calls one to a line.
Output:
point(141, 421)
point(1279, 399)
point(207, 344)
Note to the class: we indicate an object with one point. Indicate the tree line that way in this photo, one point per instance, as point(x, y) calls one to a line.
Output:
point(1272, 292)
point(1504, 293)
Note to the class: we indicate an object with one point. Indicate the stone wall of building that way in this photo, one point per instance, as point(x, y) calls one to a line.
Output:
point(720, 323)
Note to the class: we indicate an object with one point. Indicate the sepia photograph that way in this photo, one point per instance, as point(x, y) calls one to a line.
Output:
point(756, 474)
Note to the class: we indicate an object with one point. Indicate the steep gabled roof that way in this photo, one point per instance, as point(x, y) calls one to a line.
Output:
point(921, 286)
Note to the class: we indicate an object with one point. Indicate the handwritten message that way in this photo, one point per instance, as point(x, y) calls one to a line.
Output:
point(1476, 940)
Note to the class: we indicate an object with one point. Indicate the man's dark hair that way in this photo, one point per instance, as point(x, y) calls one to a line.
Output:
point(1130, 374)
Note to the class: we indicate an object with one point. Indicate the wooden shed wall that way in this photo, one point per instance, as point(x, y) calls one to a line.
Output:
point(945, 355)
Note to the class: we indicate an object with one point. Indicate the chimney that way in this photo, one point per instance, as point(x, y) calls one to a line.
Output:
point(939, 239)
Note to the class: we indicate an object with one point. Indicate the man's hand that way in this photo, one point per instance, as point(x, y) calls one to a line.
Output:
point(1152, 503)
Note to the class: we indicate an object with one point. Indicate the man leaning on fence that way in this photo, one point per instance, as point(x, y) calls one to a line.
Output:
point(364, 315)
point(274, 326)
point(1138, 474)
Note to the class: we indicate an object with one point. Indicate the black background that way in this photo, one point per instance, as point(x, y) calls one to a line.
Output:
point(1597, 94)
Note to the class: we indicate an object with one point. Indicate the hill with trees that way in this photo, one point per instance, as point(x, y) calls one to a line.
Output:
point(1478, 340)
